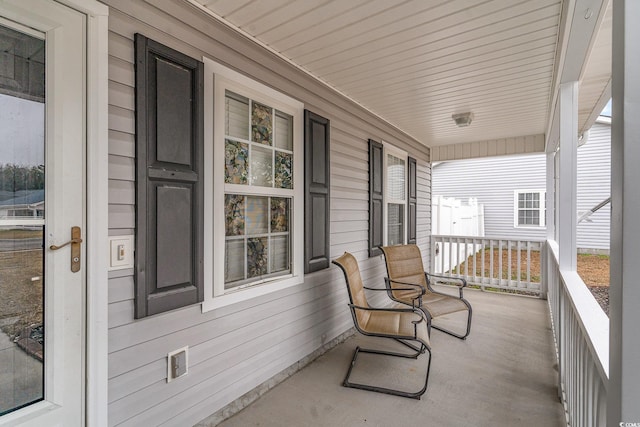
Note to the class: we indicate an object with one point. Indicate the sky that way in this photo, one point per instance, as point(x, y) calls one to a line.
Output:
point(607, 110)
point(21, 131)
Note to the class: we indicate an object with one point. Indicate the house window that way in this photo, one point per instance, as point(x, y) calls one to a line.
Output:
point(529, 208)
point(256, 197)
point(395, 199)
point(392, 203)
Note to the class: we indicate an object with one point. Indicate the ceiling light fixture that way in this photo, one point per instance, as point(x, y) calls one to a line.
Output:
point(463, 119)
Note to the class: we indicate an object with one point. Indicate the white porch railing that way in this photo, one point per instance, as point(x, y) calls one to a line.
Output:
point(581, 332)
point(508, 264)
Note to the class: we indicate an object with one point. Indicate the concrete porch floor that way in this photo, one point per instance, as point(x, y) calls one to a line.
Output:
point(502, 375)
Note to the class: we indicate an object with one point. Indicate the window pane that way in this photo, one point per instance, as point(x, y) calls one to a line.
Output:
point(535, 217)
point(284, 170)
point(279, 253)
point(261, 166)
point(535, 200)
point(395, 224)
point(521, 217)
point(236, 115)
point(234, 260)
point(262, 124)
point(22, 201)
point(257, 217)
point(257, 256)
point(235, 159)
point(234, 214)
point(395, 178)
point(284, 131)
point(252, 216)
point(279, 215)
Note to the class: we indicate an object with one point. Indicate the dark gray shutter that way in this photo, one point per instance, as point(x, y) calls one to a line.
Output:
point(413, 202)
point(169, 168)
point(376, 197)
point(316, 192)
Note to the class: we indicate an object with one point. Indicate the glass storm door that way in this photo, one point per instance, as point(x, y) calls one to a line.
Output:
point(41, 198)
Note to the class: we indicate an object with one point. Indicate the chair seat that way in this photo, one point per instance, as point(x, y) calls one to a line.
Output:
point(435, 304)
point(396, 324)
point(439, 305)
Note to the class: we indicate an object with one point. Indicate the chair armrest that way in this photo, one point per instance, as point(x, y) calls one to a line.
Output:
point(395, 289)
point(421, 317)
point(459, 282)
point(412, 286)
point(415, 302)
point(395, 310)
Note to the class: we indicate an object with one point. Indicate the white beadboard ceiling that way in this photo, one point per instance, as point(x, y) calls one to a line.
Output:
point(417, 62)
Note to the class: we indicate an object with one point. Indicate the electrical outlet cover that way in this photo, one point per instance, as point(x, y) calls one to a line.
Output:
point(177, 363)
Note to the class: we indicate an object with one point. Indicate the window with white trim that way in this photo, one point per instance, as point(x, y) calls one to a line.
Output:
point(254, 197)
point(529, 208)
point(395, 195)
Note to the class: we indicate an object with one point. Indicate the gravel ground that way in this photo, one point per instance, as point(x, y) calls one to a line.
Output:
point(602, 296)
point(594, 270)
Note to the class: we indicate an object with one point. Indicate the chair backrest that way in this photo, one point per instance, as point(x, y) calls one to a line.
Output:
point(349, 267)
point(404, 263)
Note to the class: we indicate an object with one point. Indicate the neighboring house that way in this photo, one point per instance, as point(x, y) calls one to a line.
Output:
point(24, 204)
point(512, 190)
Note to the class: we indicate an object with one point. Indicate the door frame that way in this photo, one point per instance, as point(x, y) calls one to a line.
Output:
point(97, 203)
point(97, 226)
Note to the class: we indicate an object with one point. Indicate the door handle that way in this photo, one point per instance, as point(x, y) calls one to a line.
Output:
point(76, 240)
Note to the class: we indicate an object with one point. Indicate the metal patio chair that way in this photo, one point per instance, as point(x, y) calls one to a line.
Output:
point(407, 326)
point(408, 283)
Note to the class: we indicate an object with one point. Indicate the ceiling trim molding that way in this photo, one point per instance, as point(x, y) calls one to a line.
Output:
point(527, 144)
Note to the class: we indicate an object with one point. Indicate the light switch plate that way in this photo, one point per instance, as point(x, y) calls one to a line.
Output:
point(120, 252)
point(177, 363)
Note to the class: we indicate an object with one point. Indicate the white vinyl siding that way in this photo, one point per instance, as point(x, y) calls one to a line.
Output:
point(593, 187)
point(235, 348)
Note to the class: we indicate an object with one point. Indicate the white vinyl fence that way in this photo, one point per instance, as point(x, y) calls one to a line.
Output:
point(505, 264)
point(455, 217)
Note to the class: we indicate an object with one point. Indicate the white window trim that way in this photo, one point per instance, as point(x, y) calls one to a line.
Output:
point(541, 209)
point(217, 78)
point(401, 154)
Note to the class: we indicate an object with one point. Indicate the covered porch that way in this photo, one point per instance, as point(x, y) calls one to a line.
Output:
point(504, 374)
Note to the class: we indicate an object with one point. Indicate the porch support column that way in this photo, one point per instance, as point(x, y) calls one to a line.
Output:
point(623, 391)
point(550, 196)
point(567, 170)
point(549, 220)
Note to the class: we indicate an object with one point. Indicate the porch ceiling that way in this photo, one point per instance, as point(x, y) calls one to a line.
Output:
point(417, 62)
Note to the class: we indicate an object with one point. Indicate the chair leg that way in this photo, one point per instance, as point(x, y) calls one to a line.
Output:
point(462, 337)
point(412, 395)
point(418, 350)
